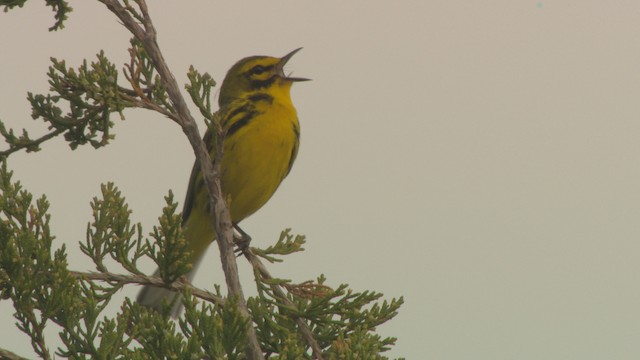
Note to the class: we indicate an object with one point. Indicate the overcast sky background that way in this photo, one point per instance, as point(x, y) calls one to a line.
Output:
point(478, 158)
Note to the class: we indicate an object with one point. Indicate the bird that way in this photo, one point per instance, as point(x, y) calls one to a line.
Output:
point(261, 141)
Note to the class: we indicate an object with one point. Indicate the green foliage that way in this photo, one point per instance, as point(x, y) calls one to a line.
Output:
point(199, 88)
point(92, 95)
point(222, 329)
point(37, 280)
point(22, 141)
point(169, 249)
point(111, 232)
point(60, 8)
point(33, 277)
point(287, 244)
point(144, 80)
point(336, 317)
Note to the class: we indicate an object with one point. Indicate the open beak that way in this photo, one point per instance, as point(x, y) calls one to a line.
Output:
point(282, 63)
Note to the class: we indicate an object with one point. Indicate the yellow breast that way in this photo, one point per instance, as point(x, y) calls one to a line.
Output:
point(258, 156)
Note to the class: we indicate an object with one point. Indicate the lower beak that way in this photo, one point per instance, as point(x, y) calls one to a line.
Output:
point(283, 61)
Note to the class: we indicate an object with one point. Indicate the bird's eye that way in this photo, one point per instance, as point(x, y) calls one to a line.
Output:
point(257, 70)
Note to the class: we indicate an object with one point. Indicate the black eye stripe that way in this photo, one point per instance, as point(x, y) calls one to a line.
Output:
point(259, 69)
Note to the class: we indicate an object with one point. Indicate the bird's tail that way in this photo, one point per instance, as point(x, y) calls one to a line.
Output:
point(153, 296)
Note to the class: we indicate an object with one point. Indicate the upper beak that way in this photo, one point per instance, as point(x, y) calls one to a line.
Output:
point(283, 61)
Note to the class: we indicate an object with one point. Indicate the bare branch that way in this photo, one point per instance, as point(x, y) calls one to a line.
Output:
point(8, 355)
point(177, 286)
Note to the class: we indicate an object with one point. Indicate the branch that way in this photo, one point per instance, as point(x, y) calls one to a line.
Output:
point(177, 286)
point(8, 355)
point(146, 34)
point(146, 103)
point(277, 290)
point(31, 144)
point(30, 321)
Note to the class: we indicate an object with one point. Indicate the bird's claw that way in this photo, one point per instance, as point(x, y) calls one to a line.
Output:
point(242, 241)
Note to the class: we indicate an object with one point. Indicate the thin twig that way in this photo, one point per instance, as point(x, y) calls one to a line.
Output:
point(177, 286)
point(145, 103)
point(146, 34)
point(277, 290)
point(37, 337)
point(36, 142)
point(8, 355)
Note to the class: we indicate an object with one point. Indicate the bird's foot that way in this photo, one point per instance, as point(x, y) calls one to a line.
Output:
point(241, 239)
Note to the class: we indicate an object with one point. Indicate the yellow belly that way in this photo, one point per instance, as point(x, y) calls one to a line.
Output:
point(255, 161)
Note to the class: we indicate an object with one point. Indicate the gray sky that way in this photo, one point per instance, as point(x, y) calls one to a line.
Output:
point(479, 159)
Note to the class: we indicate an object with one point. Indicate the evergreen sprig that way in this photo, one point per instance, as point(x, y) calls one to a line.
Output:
point(111, 233)
point(334, 316)
point(61, 10)
point(287, 244)
point(34, 277)
point(145, 82)
point(91, 93)
point(169, 249)
point(199, 88)
point(38, 281)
